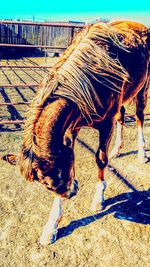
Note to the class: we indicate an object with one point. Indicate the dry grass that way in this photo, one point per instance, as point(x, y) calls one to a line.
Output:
point(118, 236)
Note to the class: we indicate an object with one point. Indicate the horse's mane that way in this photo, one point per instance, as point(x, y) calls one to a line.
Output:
point(86, 59)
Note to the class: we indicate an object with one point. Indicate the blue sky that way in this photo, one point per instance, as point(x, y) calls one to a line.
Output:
point(79, 10)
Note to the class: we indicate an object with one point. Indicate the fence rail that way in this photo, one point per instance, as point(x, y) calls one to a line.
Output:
point(48, 24)
point(32, 46)
point(19, 85)
point(24, 67)
point(40, 34)
point(12, 122)
point(14, 103)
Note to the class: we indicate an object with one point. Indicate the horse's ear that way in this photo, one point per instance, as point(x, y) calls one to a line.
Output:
point(12, 159)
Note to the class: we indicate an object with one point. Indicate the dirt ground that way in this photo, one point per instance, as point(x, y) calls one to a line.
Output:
point(118, 236)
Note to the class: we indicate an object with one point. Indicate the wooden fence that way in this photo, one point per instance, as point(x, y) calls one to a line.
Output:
point(26, 35)
point(36, 33)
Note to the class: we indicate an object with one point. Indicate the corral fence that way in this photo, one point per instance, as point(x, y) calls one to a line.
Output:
point(52, 37)
point(36, 34)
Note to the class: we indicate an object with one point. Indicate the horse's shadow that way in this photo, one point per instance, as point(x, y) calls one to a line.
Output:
point(132, 206)
point(135, 152)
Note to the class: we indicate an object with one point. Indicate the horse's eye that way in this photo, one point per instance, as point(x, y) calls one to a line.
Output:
point(44, 166)
point(67, 141)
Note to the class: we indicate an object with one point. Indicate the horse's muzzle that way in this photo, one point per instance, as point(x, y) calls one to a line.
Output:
point(73, 190)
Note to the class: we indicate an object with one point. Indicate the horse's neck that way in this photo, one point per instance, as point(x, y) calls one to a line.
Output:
point(51, 125)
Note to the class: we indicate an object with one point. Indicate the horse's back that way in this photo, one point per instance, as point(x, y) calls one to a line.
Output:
point(136, 61)
point(129, 24)
point(134, 33)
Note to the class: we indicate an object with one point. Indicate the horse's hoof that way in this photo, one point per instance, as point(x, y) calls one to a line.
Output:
point(47, 240)
point(98, 207)
point(143, 159)
point(114, 154)
point(44, 242)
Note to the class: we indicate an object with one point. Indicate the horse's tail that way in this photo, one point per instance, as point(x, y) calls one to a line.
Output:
point(10, 158)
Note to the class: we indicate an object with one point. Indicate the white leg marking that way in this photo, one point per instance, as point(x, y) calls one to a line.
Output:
point(49, 234)
point(98, 200)
point(119, 141)
point(142, 157)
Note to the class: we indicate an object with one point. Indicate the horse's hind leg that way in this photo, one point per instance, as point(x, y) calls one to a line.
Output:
point(105, 132)
point(119, 142)
point(141, 101)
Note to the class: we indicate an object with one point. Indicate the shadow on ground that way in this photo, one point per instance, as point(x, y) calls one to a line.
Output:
point(19, 52)
point(132, 206)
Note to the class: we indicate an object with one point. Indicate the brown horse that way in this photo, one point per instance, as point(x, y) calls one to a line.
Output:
point(105, 66)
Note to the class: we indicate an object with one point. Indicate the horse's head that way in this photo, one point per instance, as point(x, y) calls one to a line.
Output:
point(56, 173)
point(45, 157)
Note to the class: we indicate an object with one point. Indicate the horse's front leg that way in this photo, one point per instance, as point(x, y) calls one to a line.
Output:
point(102, 160)
point(49, 234)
